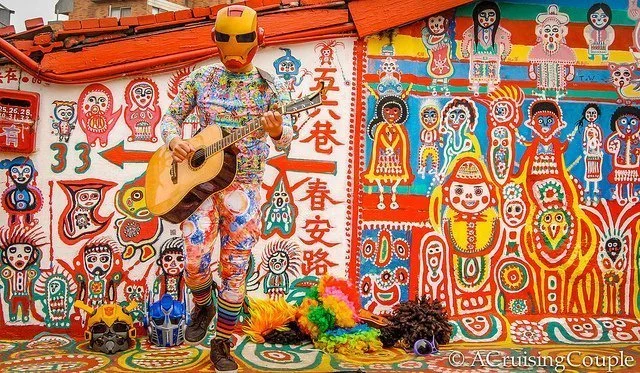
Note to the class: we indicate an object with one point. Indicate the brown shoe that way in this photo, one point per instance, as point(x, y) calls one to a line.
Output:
point(221, 356)
point(201, 317)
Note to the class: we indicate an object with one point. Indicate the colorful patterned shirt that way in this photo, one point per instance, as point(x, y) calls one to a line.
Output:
point(229, 100)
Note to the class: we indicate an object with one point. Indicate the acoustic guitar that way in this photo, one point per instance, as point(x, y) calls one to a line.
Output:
point(175, 190)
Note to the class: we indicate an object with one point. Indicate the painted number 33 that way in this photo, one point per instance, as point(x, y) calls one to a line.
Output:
point(61, 157)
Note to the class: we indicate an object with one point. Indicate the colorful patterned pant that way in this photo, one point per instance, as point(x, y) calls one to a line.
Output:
point(234, 216)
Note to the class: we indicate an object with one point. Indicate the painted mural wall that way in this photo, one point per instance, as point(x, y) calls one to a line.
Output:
point(487, 156)
point(74, 220)
point(501, 148)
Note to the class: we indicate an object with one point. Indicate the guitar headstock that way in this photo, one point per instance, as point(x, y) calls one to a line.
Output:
point(307, 102)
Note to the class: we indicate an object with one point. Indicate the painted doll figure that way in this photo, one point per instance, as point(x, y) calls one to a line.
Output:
point(598, 32)
point(624, 146)
point(21, 252)
point(592, 141)
point(64, 119)
point(436, 39)
point(228, 95)
point(23, 199)
point(429, 135)
point(486, 44)
point(459, 120)
point(390, 154)
point(552, 61)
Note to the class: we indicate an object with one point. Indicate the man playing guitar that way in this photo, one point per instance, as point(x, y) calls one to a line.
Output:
point(228, 95)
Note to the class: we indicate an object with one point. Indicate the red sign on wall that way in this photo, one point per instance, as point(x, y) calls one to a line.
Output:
point(18, 117)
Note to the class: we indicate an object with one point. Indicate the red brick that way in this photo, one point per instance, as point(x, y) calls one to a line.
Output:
point(33, 23)
point(109, 22)
point(7, 30)
point(129, 21)
point(146, 20)
point(271, 2)
point(90, 23)
point(183, 14)
point(71, 25)
point(201, 12)
point(44, 38)
point(165, 17)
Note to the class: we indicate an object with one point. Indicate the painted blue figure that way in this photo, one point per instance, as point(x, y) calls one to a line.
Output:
point(22, 198)
point(288, 68)
point(166, 321)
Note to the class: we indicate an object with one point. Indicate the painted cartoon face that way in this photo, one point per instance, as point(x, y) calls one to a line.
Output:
point(621, 75)
point(457, 117)
point(391, 114)
point(554, 224)
point(628, 124)
point(134, 292)
point(429, 117)
point(96, 103)
point(21, 174)
point(286, 67)
point(514, 212)
point(591, 115)
point(172, 263)
point(56, 287)
point(599, 19)
point(583, 328)
point(437, 24)
point(613, 246)
point(477, 325)
point(552, 34)
point(487, 17)
point(142, 94)
point(389, 65)
point(64, 113)
point(19, 255)
point(469, 198)
point(88, 198)
point(278, 263)
point(503, 111)
point(545, 124)
point(98, 264)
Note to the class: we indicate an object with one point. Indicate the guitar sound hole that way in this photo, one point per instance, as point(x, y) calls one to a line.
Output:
point(198, 158)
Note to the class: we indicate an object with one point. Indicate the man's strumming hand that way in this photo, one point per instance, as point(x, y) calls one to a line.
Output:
point(180, 149)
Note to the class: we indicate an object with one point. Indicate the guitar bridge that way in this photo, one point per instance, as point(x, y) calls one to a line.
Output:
point(174, 172)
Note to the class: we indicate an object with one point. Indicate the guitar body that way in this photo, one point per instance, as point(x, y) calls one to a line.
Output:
point(175, 191)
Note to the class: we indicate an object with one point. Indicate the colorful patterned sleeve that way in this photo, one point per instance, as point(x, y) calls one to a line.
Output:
point(180, 108)
point(284, 142)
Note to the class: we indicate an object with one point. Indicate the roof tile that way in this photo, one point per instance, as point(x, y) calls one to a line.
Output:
point(183, 14)
point(108, 22)
point(146, 19)
point(129, 21)
point(201, 12)
point(71, 25)
point(165, 17)
point(44, 38)
point(255, 4)
point(90, 23)
point(7, 30)
point(33, 23)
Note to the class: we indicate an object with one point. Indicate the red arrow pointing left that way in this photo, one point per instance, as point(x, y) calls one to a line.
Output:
point(119, 156)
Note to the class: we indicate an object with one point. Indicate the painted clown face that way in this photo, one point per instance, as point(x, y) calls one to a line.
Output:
point(613, 246)
point(64, 112)
point(391, 113)
point(96, 103)
point(591, 115)
point(278, 263)
point(20, 256)
point(469, 197)
point(546, 124)
point(628, 125)
point(429, 117)
point(514, 212)
point(21, 174)
point(172, 263)
point(88, 198)
point(142, 94)
point(552, 34)
point(437, 24)
point(487, 18)
point(599, 19)
point(98, 263)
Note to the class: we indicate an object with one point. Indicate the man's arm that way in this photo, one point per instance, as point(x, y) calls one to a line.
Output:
point(180, 108)
point(282, 142)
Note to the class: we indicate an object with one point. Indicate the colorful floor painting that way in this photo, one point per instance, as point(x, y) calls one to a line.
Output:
point(55, 352)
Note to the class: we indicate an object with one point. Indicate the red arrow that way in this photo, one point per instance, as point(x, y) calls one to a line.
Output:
point(119, 156)
point(283, 163)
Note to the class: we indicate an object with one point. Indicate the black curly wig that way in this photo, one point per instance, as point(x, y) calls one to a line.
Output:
point(422, 318)
point(290, 336)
